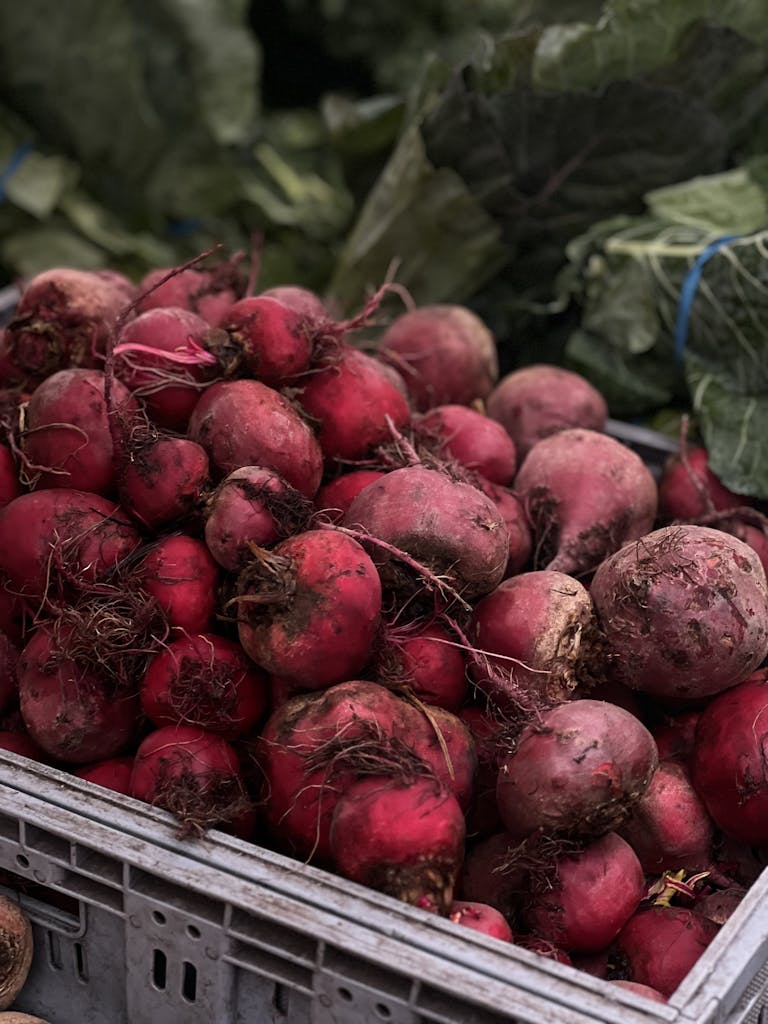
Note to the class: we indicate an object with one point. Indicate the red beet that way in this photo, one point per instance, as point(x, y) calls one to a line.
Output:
point(251, 506)
point(487, 875)
point(513, 514)
point(66, 439)
point(449, 527)
point(481, 918)
point(63, 319)
point(302, 300)
point(579, 769)
point(209, 292)
point(688, 488)
point(534, 633)
point(537, 401)
point(71, 711)
point(720, 904)
point(181, 574)
point(640, 990)
point(196, 776)
point(586, 494)
point(309, 751)
point(207, 681)
point(427, 660)
point(684, 612)
point(10, 487)
point(21, 743)
point(669, 828)
point(472, 439)
point(445, 353)
point(161, 356)
point(309, 610)
point(264, 339)
point(62, 539)
point(595, 892)
point(659, 945)
point(164, 481)
point(444, 742)
point(355, 400)
point(334, 498)
point(406, 840)
point(114, 773)
point(728, 767)
point(245, 423)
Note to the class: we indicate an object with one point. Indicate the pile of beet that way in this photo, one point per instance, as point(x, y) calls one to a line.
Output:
point(353, 598)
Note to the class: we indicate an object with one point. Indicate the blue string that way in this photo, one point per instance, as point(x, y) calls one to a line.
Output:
point(688, 292)
point(17, 159)
point(184, 227)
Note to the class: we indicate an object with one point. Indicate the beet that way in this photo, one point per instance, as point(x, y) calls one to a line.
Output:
point(114, 773)
point(535, 632)
point(71, 710)
point(585, 494)
point(475, 441)
point(536, 401)
point(66, 441)
point(62, 540)
point(207, 681)
point(594, 893)
point(252, 506)
point(688, 488)
point(659, 945)
point(728, 767)
point(443, 742)
point(164, 481)
point(63, 319)
point(406, 840)
point(481, 918)
point(334, 498)
point(356, 401)
point(513, 514)
point(578, 769)
point(181, 575)
point(451, 528)
point(309, 752)
point(486, 878)
point(427, 660)
point(669, 828)
point(684, 612)
point(161, 356)
point(264, 339)
point(445, 353)
point(245, 423)
point(309, 609)
point(196, 776)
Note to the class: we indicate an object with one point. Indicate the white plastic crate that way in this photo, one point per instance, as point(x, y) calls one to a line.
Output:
point(133, 926)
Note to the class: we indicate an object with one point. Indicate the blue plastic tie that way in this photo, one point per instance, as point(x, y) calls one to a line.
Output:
point(186, 226)
point(17, 159)
point(688, 292)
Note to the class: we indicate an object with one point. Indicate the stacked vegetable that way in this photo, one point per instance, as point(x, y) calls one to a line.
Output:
point(373, 607)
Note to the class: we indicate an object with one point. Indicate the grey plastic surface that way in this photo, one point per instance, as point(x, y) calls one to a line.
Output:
point(8, 298)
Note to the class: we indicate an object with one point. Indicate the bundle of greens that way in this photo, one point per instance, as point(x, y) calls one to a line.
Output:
point(674, 310)
point(544, 130)
point(132, 135)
